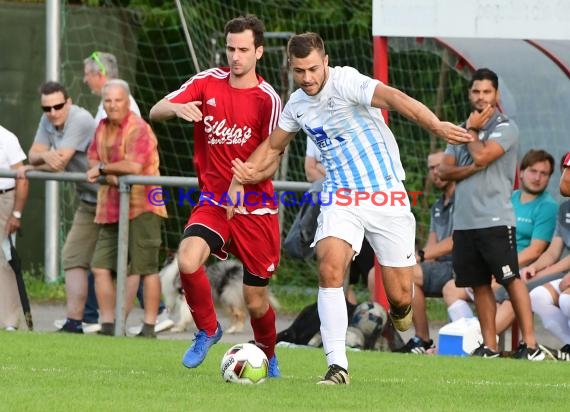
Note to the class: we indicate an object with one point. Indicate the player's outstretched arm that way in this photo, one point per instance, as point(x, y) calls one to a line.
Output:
point(390, 98)
point(165, 110)
point(260, 166)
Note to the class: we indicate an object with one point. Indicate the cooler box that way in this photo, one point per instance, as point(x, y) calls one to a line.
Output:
point(460, 338)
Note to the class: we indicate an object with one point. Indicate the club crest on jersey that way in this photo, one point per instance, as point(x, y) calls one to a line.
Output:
point(218, 132)
point(330, 103)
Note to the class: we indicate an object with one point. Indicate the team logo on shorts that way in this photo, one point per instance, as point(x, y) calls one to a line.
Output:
point(507, 272)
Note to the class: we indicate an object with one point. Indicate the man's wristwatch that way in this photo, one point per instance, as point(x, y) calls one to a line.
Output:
point(422, 255)
point(17, 214)
point(102, 169)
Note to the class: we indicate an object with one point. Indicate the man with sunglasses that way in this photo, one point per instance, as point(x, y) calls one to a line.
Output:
point(62, 138)
point(98, 68)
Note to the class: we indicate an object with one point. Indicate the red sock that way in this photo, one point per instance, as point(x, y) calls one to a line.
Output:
point(264, 332)
point(198, 293)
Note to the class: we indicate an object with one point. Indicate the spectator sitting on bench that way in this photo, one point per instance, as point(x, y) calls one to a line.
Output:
point(434, 269)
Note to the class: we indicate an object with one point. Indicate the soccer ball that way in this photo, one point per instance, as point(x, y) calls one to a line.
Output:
point(370, 318)
point(354, 338)
point(244, 363)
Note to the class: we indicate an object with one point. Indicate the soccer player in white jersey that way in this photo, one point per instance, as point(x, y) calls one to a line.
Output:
point(337, 107)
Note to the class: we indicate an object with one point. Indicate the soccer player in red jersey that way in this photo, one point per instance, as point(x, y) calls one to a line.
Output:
point(234, 110)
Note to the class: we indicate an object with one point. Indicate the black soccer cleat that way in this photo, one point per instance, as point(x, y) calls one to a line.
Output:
point(336, 375)
point(485, 352)
point(418, 346)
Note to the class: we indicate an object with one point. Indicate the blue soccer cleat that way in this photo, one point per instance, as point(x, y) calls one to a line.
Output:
point(196, 353)
point(273, 371)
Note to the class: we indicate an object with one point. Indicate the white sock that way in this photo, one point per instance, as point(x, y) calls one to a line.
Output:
point(459, 309)
point(552, 316)
point(564, 304)
point(334, 322)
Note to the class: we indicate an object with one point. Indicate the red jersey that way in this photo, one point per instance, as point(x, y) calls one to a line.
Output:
point(234, 122)
point(566, 162)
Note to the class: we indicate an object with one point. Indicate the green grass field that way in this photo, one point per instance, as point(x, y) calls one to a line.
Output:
point(59, 372)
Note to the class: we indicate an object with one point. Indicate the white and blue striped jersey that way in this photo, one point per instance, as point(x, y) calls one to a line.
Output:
point(359, 152)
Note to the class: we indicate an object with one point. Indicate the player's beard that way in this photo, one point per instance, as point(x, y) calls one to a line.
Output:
point(475, 108)
point(321, 86)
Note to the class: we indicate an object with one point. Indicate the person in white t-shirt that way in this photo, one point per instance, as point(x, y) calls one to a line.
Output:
point(337, 107)
point(13, 196)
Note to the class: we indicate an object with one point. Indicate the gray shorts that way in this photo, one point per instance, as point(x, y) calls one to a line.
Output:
point(436, 275)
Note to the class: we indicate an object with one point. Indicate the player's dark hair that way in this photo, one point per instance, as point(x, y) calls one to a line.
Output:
point(301, 45)
point(243, 23)
point(485, 74)
point(534, 156)
point(53, 87)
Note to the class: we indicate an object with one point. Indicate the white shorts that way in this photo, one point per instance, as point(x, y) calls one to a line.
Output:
point(390, 229)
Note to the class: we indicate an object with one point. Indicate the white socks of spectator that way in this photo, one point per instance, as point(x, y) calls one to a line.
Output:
point(564, 304)
point(554, 318)
point(459, 309)
point(334, 321)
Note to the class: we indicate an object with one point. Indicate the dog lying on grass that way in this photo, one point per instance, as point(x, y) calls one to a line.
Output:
point(226, 279)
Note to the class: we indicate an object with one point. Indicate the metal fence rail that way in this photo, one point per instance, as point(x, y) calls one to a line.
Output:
point(125, 183)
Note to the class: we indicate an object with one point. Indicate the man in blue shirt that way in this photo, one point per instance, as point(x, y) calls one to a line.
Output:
point(535, 212)
point(535, 208)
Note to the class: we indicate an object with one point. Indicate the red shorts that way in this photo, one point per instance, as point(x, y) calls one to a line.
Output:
point(254, 239)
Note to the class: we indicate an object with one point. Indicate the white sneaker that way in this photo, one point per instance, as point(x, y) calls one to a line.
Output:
point(163, 325)
point(10, 329)
point(135, 330)
point(58, 323)
point(91, 327)
point(87, 327)
point(163, 322)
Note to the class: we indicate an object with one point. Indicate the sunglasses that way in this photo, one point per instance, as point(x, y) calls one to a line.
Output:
point(96, 59)
point(56, 107)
